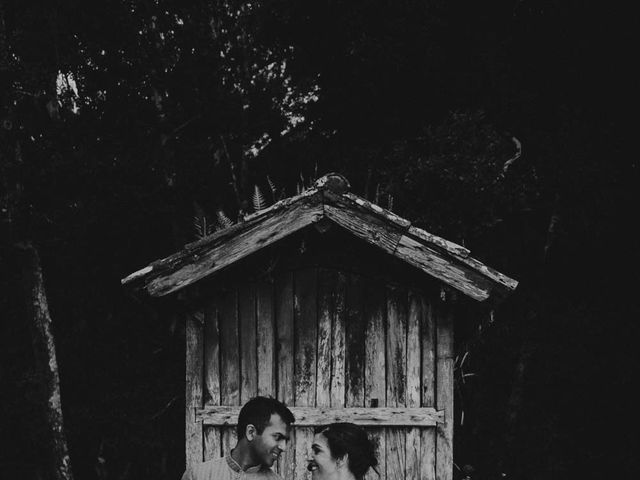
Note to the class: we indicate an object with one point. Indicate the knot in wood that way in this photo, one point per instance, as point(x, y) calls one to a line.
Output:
point(334, 182)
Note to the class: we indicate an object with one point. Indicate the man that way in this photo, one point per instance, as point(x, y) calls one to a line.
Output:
point(263, 431)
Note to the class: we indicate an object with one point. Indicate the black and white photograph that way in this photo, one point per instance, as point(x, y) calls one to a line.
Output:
point(327, 240)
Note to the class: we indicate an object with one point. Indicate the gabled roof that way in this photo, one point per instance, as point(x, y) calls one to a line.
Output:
point(329, 200)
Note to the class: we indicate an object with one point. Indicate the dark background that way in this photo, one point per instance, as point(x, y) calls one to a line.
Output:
point(417, 104)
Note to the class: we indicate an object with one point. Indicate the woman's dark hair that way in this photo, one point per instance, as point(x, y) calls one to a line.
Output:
point(258, 411)
point(350, 439)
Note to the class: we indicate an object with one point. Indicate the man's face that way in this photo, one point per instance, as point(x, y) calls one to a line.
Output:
point(268, 446)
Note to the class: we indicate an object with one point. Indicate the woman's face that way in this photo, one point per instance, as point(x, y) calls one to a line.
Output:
point(322, 463)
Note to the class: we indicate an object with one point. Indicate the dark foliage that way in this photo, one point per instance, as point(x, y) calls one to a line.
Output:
point(418, 104)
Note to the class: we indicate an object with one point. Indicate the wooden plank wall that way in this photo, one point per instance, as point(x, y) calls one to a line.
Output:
point(327, 338)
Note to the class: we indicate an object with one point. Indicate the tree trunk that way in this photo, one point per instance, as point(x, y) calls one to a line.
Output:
point(59, 463)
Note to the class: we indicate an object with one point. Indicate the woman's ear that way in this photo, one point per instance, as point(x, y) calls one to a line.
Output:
point(250, 432)
point(343, 462)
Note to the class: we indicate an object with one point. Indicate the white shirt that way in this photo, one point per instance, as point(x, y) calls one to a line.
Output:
point(226, 468)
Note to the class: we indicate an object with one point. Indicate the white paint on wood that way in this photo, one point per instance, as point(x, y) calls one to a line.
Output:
point(193, 400)
point(212, 435)
point(444, 391)
point(375, 366)
point(314, 416)
point(413, 440)
point(338, 339)
point(266, 339)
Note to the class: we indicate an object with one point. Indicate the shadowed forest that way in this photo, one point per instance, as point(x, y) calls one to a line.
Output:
point(130, 128)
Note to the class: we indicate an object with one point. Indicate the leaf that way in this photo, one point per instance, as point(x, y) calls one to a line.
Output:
point(201, 223)
point(259, 203)
point(272, 187)
point(223, 220)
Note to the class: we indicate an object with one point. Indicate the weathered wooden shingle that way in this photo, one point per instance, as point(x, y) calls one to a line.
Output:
point(328, 201)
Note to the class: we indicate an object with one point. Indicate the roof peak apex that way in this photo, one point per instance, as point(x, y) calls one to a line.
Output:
point(333, 181)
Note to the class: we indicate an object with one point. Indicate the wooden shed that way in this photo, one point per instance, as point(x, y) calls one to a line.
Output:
point(334, 305)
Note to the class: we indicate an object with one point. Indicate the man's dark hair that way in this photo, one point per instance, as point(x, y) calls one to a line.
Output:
point(258, 411)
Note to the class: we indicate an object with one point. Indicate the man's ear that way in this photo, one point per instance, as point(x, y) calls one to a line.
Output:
point(250, 432)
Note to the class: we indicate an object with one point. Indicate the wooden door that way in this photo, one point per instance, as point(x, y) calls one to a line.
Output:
point(333, 346)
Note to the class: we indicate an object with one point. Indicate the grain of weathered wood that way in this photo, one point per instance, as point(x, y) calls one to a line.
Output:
point(452, 273)
point(229, 353)
point(428, 436)
point(396, 376)
point(248, 343)
point(287, 461)
point(229, 439)
point(193, 400)
point(444, 390)
point(211, 354)
point(413, 461)
point(229, 348)
point(395, 443)
point(375, 385)
point(377, 210)
point(266, 339)
point(304, 439)
point(314, 416)
point(326, 285)
point(338, 339)
point(375, 345)
point(306, 343)
point(305, 325)
point(212, 443)
point(355, 345)
point(438, 242)
point(365, 226)
point(212, 435)
point(284, 322)
point(284, 353)
point(190, 265)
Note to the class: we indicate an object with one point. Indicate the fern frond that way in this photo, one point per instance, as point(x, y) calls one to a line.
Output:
point(223, 220)
point(390, 208)
point(272, 187)
point(201, 223)
point(259, 203)
point(203, 226)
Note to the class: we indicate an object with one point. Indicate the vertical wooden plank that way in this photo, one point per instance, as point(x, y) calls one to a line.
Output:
point(284, 323)
point(229, 439)
point(428, 436)
point(413, 443)
point(266, 339)
point(248, 344)
point(212, 435)
point(375, 381)
point(194, 375)
point(338, 339)
point(444, 390)
point(229, 354)
point(355, 340)
point(396, 377)
point(212, 443)
point(326, 285)
point(306, 342)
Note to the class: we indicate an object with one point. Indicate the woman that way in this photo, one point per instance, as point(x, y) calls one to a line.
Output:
point(341, 451)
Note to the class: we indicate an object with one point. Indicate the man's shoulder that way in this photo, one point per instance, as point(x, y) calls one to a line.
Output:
point(202, 471)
